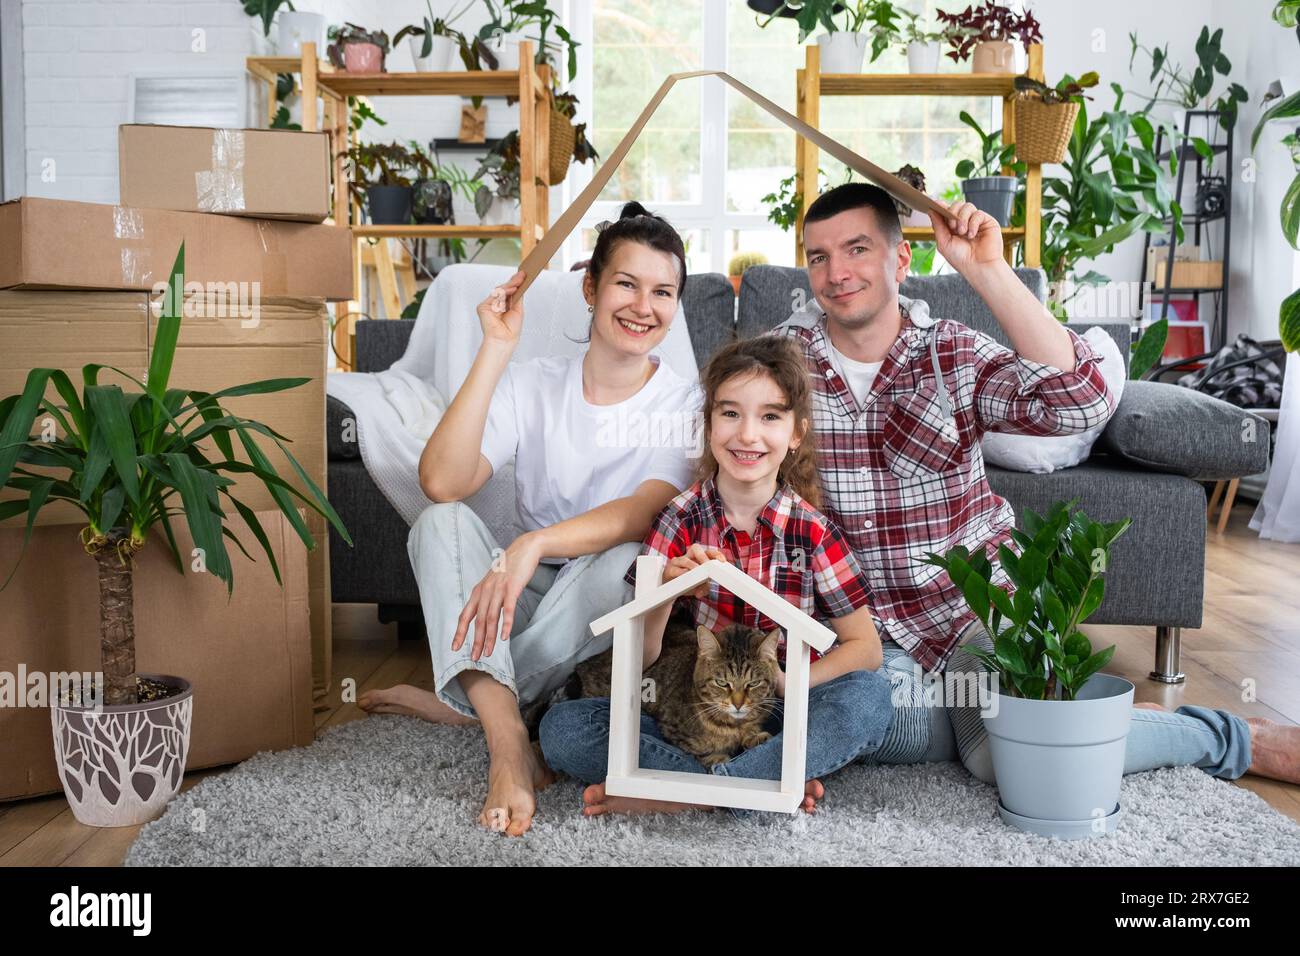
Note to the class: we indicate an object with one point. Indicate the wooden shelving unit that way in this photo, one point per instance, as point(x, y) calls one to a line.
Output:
point(812, 85)
point(319, 80)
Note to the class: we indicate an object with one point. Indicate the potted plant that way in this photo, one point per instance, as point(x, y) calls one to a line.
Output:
point(1045, 116)
point(356, 49)
point(1108, 187)
point(131, 461)
point(435, 187)
point(568, 141)
point(1287, 107)
point(982, 180)
point(433, 42)
point(293, 28)
point(1057, 726)
point(1174, 88)
point(843, 46)
point(922, 46)
point(984, 34)
point(510, 21)
point(908, 216)
point(739, 263)
point(498, 204)
point(382, 181)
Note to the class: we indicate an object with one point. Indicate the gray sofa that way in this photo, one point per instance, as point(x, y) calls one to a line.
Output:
point(1160, 444)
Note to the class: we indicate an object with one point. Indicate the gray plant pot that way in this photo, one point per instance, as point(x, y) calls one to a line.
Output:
point(994, 195)
point(1059, 763)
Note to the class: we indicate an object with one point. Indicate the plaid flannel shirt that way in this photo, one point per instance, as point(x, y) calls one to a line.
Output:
point(795, 551)
point(904, 476)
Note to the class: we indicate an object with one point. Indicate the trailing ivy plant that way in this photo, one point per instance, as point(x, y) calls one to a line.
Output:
point(1039, 653)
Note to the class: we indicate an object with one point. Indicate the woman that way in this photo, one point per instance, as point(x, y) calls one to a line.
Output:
point(507, 627)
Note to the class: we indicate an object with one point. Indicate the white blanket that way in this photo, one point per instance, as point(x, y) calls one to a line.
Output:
point(397, 410)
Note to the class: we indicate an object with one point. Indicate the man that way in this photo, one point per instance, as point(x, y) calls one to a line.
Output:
point(901, 400)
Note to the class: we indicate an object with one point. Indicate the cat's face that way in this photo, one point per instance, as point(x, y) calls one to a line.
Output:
point(735, 671)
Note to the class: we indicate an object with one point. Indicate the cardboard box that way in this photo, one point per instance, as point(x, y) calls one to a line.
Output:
point(67, 330)
point(55, 244)
point(1203, 274)
point(262, 173)
point(247, 656)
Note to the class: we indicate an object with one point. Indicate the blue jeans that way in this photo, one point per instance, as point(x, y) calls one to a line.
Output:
point(1216, 741)
point(848, 718)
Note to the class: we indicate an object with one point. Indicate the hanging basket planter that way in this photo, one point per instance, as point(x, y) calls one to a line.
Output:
point(563, 139)
point(1043, 129)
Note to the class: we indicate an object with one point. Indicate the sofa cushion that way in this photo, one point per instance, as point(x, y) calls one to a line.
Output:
point(709, 304)
point(340, 431)
point(1184, 432)
point(1156, 573)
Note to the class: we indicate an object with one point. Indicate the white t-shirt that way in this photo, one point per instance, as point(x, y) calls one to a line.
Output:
point(859, 376)
point(570, 455)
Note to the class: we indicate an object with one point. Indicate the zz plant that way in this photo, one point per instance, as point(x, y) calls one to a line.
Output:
point(1039, 653)
point(131, 461)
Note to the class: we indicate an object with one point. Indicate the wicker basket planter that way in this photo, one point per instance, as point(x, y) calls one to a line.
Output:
point(1043, 129)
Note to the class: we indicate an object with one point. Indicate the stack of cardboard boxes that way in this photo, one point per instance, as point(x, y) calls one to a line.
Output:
point(79, 283)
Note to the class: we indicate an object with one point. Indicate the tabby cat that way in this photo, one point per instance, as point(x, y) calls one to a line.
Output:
point(710, 693)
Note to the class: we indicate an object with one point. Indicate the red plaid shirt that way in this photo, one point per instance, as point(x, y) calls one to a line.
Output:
point(795, 551)
point(902, 478)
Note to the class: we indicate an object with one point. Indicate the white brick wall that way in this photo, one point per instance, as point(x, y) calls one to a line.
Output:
point(78, 58)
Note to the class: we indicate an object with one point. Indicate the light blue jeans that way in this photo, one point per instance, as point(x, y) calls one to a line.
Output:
point(452, 550)
point(848, 718)
point(1216, 741)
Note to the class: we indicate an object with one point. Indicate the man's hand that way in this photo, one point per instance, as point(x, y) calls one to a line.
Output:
point(493, 599)
point(966, 237)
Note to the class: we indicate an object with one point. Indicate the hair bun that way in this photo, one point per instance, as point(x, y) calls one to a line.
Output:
point(631, 209)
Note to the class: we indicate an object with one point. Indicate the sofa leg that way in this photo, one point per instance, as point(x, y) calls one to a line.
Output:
point(411, 631)
point(1168, 652)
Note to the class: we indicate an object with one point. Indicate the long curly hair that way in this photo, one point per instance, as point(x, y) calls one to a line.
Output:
point(781, 360)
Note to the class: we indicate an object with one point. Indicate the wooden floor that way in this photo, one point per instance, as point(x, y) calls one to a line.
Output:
point(1250, 633)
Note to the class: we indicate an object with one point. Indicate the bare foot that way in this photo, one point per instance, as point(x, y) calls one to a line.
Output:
point(812, 792)
point(1149, 706)
point(597, 803)
point(515, 774)
point(411, 702)
point(1274, 750)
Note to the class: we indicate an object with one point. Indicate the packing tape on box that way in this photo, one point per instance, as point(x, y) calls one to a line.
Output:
point(275, 263)
point(128, 226)
point(221, 188)
point(550, 243)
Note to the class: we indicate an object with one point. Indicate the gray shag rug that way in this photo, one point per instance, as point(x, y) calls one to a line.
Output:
point(390, 790)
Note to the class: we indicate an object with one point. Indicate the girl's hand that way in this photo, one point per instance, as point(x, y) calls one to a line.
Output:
point(501, 321)
point(695, 555)
point(966, 237)
point(779, 688)
point(493, 599)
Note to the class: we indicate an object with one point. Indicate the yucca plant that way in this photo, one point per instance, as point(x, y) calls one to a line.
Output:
point(1059, 582)
point(131, 460)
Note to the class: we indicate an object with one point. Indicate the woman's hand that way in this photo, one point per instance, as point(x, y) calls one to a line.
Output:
point(778, 686)
point(966, 237)
point(501, 321)
point(695, 555)
point(493, 599)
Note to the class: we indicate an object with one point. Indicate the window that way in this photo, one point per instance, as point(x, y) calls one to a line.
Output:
point(709, 155)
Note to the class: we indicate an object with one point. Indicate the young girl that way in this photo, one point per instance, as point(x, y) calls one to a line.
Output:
point(506, 627)
point(754, 503)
